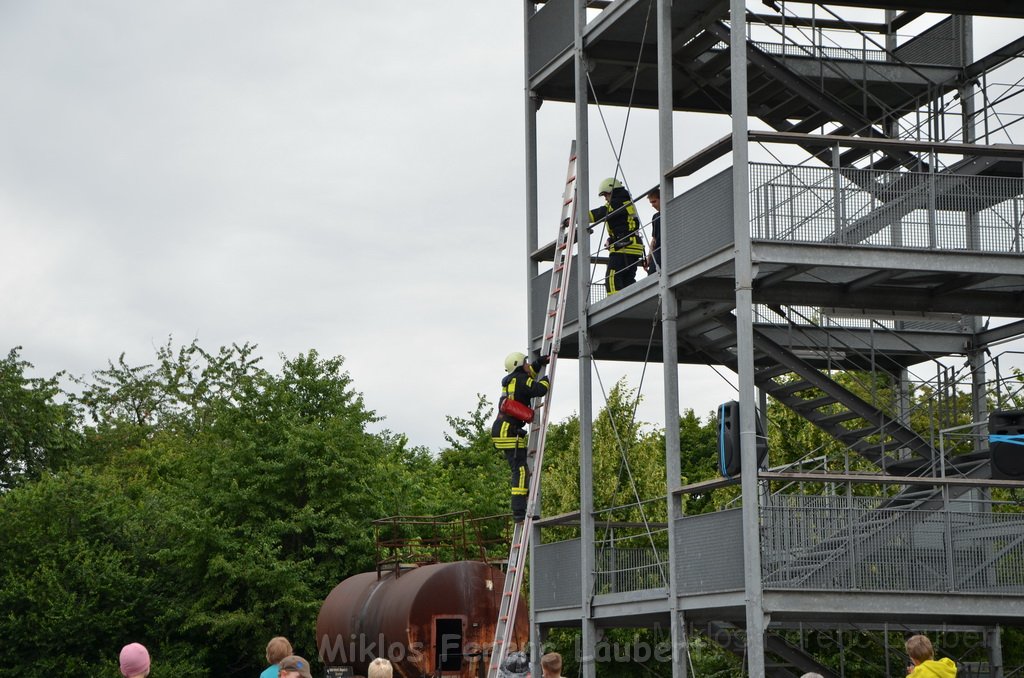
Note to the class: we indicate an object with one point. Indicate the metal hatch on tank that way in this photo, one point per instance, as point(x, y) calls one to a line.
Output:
point(429, 620)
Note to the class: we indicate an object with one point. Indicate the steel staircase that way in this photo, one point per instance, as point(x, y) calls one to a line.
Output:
point(793, 381)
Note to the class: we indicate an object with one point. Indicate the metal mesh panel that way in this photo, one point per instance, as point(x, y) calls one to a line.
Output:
point(631, 569)
point(556, 575)
point(933, 326)
point(821, 52)
point(549, 31)
point(812, 316)
point(989, 553)
point(830, 318)
point(697, 222)
point(847, 543)
point(942, 44)
point(709, 552)
point(887, 209)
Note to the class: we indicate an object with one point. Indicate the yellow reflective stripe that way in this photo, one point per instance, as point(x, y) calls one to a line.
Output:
point(632, 222)
point(520, 488)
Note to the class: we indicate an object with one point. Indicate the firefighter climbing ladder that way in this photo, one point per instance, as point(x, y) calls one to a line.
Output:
point(551, 340)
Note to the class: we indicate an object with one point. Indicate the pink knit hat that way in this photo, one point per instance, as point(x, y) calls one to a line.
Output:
point(134, 660)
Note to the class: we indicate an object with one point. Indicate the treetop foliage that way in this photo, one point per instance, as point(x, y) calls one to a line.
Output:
point(38, 431)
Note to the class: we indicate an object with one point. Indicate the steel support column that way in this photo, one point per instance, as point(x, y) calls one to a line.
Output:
point(588, 637)
point(670, 347)
point(745, 340)
point(530, 117)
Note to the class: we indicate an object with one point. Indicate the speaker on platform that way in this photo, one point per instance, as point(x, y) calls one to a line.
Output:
point(1006, 444)
point(729, 439)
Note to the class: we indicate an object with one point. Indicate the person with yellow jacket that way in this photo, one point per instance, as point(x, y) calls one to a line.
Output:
point(508, 433)
point(920, 651)
point(622, 224)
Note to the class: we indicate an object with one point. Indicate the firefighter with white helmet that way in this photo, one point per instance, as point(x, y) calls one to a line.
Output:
point(622, 224)
point(519, 387)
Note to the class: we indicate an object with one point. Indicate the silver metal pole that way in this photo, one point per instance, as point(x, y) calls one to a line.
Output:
point(670, 348)
point(745, 341)
point(976, 356)
point(995, 652)
point(588, 634)
point(530, 117)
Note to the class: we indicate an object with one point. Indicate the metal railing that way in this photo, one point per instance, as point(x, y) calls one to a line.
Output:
point(854, 545)
point(887, 209)
point(818, 542)
point(418, 540)
point(622, 569)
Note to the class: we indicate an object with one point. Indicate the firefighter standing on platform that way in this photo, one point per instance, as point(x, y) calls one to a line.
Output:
point(622, 224)
point(519, 387)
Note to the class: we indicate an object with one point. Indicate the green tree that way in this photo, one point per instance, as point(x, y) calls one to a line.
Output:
point(698, 450)
point(219, 506)
point(83, 574)
point(472, 475)
point(37, 432)
point(628, 462)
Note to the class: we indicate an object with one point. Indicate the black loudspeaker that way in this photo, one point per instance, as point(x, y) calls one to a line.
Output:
point(729, 439)
point(1006, 444)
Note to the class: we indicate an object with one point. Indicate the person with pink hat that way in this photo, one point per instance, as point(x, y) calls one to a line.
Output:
point(134, 661)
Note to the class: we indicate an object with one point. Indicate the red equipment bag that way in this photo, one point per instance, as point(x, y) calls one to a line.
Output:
point(517, 410)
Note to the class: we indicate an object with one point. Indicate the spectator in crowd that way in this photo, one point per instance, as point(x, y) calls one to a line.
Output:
point(921, 653)
point(551, 665)
point(379, 668)
point(277, 649)
point(134, 661)
point(294, 666)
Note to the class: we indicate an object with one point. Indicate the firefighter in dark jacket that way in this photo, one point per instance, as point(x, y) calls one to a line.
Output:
point(622, 224)
point(521, 385)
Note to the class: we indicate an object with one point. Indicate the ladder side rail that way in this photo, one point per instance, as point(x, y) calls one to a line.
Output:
point(550, 340)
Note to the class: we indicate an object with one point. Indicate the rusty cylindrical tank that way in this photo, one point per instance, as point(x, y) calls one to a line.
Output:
point(431, 620)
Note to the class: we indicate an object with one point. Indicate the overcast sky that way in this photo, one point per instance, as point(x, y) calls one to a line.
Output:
point(328, 174)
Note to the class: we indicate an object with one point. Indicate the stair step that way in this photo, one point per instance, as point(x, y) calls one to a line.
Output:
point(879, 450)
point(771, 371)
point(908, 467)
point(806, 404)
point(858, 433)
point(725, 341)
point(832, 419)
point(784, 390)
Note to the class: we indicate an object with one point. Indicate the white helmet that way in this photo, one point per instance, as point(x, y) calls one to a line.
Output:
point(607, 185)
point(514, 360)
